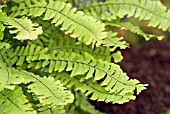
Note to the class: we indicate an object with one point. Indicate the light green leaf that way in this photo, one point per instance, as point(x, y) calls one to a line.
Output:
point(24, 28)
point(117, 56)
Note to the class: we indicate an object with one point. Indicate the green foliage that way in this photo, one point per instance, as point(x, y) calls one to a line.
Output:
point(24, 28)
point(151, 10)
point(63, 14)
point(14, 102)
point(54, 56)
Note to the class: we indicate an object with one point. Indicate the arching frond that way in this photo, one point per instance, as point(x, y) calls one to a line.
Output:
point(63, 14)
point(14, 102)
point(54, 39)
point(115, 80)
point(151, 10)
point(88, 87)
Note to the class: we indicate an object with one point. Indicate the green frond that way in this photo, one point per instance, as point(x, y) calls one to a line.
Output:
point(151, 10)
point(135, 29)
point(81, 105)
point(92, 89)
point(24, 28)
point(116, 81)
point(72, 22)
point(48, 91)
point(54, 39)
point(14, 102)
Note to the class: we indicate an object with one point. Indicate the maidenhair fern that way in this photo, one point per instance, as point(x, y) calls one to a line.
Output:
point(54, 54)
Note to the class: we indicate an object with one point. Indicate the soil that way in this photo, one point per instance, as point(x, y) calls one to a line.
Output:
point(149, 63)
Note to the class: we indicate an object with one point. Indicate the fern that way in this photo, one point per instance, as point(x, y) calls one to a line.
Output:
point(49, 72)
point(72, 23)
point(103, 53)
point(88, 87)
point(48, 89)
point(116, 81)
point(12, 77)
point(151, 10)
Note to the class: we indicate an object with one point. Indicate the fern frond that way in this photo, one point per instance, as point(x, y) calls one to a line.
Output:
point(88, 87)
point(10, 77)
point(151, 10)
point(48, 91)
point(54, 39)
point(63, 14)
point(135, 29)
point(14, 102)
point(115, 80)
point(24, 28)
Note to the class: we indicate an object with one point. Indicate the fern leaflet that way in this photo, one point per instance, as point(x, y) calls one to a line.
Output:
point(24, 28)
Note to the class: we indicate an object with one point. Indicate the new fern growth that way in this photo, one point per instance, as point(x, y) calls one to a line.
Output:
point(53, 54)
